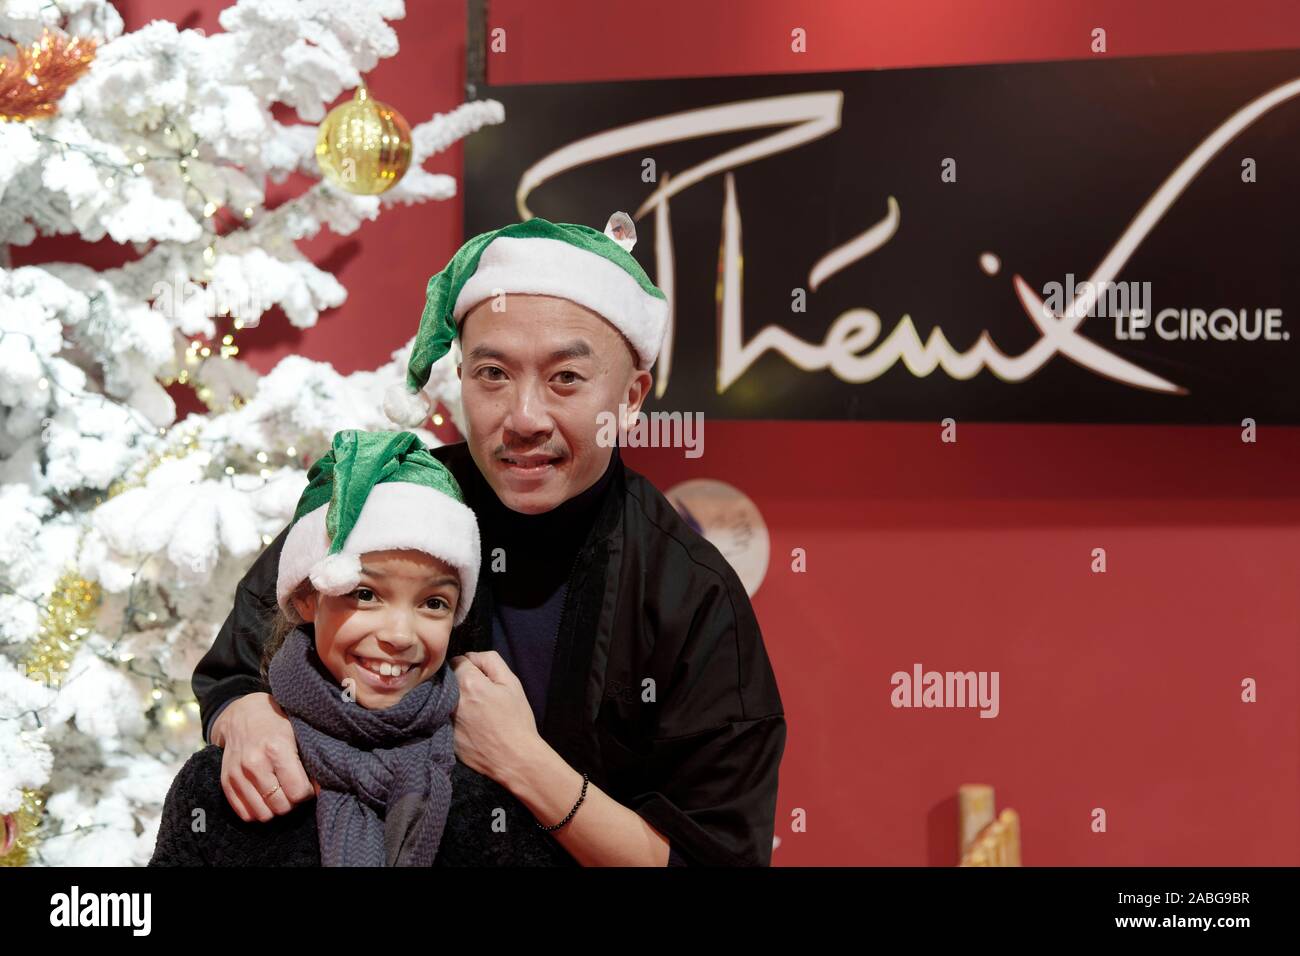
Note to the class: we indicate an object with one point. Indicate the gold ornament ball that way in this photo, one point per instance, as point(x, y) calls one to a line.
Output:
point(364, 146)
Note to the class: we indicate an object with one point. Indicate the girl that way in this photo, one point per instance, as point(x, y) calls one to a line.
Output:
point(380, 562)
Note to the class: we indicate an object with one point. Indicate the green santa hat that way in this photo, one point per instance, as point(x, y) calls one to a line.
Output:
point(562, 259)
point(374, 491)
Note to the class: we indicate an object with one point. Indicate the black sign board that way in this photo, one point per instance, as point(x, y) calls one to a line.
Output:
point(1106, 240)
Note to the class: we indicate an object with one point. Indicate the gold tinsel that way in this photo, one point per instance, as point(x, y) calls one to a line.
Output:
point(182, 444)
point(364, 146)
point(33, 82)
point(20, 830)
point(66, 620)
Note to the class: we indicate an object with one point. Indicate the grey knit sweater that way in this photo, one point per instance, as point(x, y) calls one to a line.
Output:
point(470, 838)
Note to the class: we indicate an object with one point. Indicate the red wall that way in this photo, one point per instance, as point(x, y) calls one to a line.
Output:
point(1118, 691)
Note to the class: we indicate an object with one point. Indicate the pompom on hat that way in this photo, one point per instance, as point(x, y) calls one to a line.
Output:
point(375, 491)
point(537, 257)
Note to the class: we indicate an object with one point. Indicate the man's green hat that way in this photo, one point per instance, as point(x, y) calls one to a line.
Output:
point(571, 261)
point(375, 491)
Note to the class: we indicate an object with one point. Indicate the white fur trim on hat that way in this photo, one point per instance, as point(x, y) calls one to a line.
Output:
point(409, 409)
point(554, 267)
point(336, 574)
point(396, 515)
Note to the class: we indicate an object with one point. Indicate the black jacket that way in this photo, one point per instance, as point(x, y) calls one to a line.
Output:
point(473, 836)
point(661, 689)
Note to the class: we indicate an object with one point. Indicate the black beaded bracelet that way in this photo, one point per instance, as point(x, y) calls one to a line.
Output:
point(571, 812)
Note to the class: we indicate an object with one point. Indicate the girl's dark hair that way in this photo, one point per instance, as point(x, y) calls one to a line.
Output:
point(281, 626)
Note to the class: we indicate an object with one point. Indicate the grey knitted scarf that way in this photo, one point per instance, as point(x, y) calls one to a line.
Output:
point(385, 775)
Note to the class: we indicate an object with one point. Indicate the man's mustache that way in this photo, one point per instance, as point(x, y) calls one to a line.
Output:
point(503, 451)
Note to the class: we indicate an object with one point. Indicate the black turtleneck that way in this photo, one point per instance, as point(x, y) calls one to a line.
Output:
point(528, 596)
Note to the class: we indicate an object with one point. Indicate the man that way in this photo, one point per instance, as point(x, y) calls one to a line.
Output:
point(612, 673)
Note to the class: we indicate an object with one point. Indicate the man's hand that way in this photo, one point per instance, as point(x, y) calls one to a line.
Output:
point(260, 758)
point(496, 734)
point(495, 728)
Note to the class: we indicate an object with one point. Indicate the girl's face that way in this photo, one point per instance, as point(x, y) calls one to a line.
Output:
point(392, 632)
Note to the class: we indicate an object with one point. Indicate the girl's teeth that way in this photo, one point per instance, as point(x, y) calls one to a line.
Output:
point(383, 668)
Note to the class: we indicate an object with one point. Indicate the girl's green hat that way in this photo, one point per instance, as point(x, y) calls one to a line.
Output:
point(375, 491)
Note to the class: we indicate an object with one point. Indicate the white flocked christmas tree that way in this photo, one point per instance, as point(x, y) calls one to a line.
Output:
point(123, 532)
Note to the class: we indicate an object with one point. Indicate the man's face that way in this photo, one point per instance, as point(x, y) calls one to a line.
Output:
point(535, 376)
